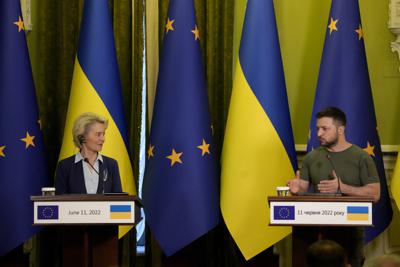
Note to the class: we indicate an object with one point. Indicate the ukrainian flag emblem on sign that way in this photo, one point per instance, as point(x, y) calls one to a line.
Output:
point(120, 212)
point(357, 213)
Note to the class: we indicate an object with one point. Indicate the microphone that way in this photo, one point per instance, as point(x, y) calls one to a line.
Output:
point(339, 192)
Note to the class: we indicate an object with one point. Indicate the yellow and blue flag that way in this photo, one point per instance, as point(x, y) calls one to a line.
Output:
point(23, 169)
point(357, 213)
point(343, 82)
point(120, 212)
point(180, 190)
point(258, 152)
point(96, 88)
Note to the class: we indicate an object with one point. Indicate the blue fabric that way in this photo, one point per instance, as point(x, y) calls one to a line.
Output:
point(181, 201)
point(343, 82)
point(23, 169)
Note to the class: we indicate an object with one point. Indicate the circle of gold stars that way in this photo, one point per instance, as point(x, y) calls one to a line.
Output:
point(175, 157)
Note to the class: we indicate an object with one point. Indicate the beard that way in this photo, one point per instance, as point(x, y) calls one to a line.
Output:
point(329, 144)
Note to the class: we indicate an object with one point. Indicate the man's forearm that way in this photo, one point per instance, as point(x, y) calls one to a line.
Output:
point(369, 190)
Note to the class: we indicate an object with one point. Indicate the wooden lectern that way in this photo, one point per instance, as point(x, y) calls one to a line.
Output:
point(319, 211)
point(88, 223)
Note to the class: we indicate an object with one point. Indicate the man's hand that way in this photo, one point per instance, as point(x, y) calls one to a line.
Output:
point(329, 186)
point(297, 185)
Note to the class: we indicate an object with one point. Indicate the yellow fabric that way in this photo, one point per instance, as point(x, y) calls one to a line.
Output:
point(254, 162)
point(152, 53)
point(84, 98)
point(395, 183)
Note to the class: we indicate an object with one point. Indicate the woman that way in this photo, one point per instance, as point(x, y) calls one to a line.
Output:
point(88, 172)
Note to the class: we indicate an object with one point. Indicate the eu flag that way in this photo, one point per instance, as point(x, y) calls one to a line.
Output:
point(48, 212)
point(180, 190)
point(23, 169)
point(258, 153)
point(284, 213)
point(344, 82)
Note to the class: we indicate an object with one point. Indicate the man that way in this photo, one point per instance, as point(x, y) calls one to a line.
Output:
point(338, 166)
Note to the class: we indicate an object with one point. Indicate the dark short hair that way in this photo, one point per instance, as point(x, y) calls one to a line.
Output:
point(333, 112)
point(326, 253)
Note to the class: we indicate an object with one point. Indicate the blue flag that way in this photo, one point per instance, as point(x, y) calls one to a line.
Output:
point(180, 190)
point(22, 162)
point(344, 83)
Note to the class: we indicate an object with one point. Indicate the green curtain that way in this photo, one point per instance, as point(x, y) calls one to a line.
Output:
point(52, 45)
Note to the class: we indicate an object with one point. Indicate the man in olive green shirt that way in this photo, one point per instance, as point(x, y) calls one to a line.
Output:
point(338, 166)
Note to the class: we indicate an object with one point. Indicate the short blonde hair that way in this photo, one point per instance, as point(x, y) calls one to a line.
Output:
point(82, 125)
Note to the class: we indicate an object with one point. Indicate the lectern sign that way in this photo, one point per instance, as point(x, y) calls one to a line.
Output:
point(88, 212)
point(86, 209)
point(320, 212)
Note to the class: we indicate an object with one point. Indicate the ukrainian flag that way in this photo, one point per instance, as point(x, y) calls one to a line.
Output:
point(258, 152)
point(357, 213)
point(96, 88)
point(120, 212)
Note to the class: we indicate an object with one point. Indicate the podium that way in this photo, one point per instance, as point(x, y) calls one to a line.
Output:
point(310, 215)
point(88, 224)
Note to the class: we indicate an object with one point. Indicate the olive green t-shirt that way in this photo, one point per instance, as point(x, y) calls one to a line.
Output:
point(353, 166)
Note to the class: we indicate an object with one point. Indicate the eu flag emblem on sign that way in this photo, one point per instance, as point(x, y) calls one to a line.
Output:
point(284, 213)
point(23, 170)
point(343, 82)
point(49, 212)
point(180, 186)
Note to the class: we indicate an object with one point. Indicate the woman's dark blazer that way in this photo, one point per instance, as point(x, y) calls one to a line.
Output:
point(70, 179)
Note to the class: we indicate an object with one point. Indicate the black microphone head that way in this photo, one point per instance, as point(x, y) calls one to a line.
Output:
point(86, 160)
point(328, 156)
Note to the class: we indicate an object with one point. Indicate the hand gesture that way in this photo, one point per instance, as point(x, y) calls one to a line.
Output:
point(329, 186)
point(295, 184)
